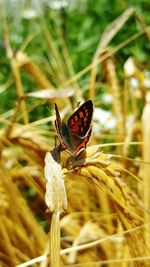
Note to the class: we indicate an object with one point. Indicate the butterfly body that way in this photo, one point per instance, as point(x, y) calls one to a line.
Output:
point(74, 135)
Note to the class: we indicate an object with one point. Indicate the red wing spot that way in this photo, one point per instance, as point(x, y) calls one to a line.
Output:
point(81, 115)
point(86, 110)
point(82, 129)
point(72, 122)
point(75, 128)
point(85, 119)
point(87, 113)
point(76, 118)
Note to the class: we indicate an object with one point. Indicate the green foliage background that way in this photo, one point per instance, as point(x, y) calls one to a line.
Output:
point(82, 24)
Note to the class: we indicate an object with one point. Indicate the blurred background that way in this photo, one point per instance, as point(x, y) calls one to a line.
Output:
point(65, 52)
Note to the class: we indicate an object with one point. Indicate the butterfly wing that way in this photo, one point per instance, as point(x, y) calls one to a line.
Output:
point(58, 125)
point(80, 121)
point(81, 143)
point(63, 133)
point(75, 135)
point(58, 120)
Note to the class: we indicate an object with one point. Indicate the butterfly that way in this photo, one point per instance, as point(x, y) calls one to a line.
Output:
point(75, 134)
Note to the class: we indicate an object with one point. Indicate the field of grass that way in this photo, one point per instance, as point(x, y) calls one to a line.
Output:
point(91, 209)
